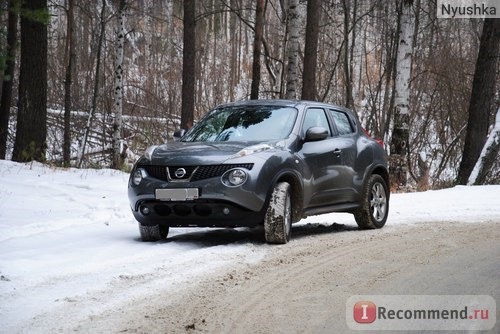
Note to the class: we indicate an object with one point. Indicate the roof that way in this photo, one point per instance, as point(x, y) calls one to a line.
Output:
point(287, 103)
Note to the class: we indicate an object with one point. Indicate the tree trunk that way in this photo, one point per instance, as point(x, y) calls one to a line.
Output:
point(292, 52)
point(311, 50)
point(390, 61)
point(31, 130)
point(118, 145)
point(482, 96)
point(70, 49)
point(348, 50)
point(8, 76)
point(83, 142)
point(401, 134)
point(233, 62)
point(489, 155)
point(257, 46)
point(188, 64)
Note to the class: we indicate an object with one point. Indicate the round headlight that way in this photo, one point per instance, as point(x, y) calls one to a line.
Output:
point(234, 177)
point(137, 177)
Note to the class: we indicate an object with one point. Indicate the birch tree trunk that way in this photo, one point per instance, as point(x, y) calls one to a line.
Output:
point(401, 134)
point(70, 60)
point(489, 155)
point(119, 148)
point(8, 76)
point(292, 50)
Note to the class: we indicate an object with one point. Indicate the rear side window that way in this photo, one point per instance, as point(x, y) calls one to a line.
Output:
point(315, 117)
point(344, 125)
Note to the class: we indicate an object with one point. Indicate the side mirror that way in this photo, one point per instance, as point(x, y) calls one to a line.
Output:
point(316, 133)
point(178, 134)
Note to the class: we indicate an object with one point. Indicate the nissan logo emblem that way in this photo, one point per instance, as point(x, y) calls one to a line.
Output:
point(179, 173)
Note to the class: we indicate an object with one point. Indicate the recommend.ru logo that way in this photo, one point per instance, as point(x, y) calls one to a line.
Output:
point(421, 312)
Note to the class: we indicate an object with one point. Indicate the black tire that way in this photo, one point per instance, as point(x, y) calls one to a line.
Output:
point(278, 219)
point(375, 204)
point(153, 232)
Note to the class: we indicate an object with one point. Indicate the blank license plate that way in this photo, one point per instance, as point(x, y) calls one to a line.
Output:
point(182, 194)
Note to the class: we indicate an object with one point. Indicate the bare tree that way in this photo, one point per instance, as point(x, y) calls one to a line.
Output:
point(482, 95)
point(257, 45)
point(348, 54)
point(401, 134)
point(292, 52)
point(188, 64)
point(8, 76)
point(70, 61)
point(119, 148)
point(31, 133)
point(93, 106)
point(311, 50)
point(234, 53)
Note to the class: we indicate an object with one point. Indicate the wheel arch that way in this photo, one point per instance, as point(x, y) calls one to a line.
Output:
point(384, 173)
point(296, 189)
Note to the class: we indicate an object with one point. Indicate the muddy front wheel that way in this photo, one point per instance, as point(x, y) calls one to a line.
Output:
point(278, 219)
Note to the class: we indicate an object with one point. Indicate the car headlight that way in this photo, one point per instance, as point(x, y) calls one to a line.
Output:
point(234, 177)
point(138, 176)
point(149, 151)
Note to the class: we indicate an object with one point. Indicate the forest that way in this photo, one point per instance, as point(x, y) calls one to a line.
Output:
point(94, 83)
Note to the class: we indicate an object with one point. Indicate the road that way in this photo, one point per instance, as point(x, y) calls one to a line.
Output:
point(302, 287)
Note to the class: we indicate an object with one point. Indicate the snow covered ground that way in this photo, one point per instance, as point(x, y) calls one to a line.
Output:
point(66, 234)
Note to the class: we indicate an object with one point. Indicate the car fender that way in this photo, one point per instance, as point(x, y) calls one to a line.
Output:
point(379, 168)
point(293, 177)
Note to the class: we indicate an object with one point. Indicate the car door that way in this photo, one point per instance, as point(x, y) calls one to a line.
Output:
point(344, 162)
point(319, 156)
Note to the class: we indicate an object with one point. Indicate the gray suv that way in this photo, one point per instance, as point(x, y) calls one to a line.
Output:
point(262, 162)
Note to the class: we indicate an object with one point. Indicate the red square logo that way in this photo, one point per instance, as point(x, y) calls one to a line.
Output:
point(365, 312)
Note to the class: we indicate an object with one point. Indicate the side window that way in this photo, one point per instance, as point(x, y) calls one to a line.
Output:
point(342, 122)
point(315, 117)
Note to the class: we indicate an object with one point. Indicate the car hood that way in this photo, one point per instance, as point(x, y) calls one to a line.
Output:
point(190, 154)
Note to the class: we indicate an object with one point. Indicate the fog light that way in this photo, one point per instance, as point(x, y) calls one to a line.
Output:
point(137, 177)
point(145, 210)
point(234, 177)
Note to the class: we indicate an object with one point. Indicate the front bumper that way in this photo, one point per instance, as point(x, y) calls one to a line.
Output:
point(217, 205)
point(196, 213)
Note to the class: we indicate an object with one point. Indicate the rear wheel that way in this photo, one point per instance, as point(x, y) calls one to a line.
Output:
point(278, 219)
point(375, 206)
point(153, 232)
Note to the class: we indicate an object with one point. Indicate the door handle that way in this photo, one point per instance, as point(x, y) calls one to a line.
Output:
point(337, 152)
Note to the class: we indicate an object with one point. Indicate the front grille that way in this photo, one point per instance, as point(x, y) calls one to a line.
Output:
point(158, 172)
point(203, 172)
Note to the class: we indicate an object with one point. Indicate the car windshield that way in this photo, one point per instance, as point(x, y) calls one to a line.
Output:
point(244, 123)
